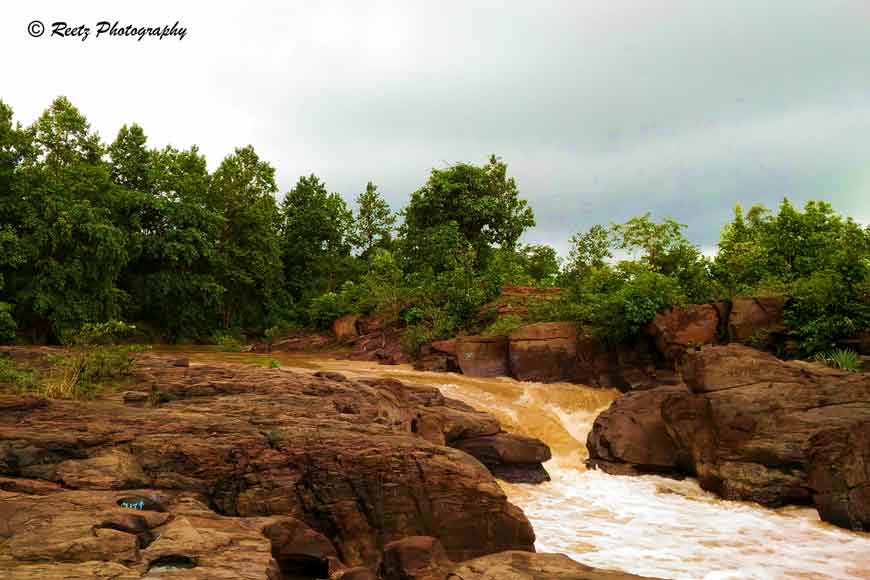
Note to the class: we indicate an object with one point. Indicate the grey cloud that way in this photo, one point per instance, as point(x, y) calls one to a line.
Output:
point(603, 110)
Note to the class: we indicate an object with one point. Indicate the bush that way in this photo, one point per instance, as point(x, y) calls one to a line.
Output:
point(621, 314)
point(93, 358)
point(228, 342)
point(504, 325)
point(7, 323)
point(19, 381)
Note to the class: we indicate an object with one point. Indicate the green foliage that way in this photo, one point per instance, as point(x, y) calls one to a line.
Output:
point(326, 308)
point(17, 380)
point(842, 358)
point(374, 223)
point(274, 364)
point(248, 254)
point(92, 359)
point(504, 325)
point(8, 325)
point(92, 233)
point(228, 341)
point(638, 297)
point(480, 206)
point(816, 259)
point(316, 238)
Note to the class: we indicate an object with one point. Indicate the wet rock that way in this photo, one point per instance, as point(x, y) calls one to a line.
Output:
point(414, 557)
point(437, 362)
point(514, 458)
point(527, 566)
point(751, 427)
point(631, 438)
point(181, 362)
point(383, 346)
point(237, 446)
point(483, 356)
point(544, 352)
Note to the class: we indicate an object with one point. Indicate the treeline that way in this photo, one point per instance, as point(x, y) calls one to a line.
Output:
point(91, 232)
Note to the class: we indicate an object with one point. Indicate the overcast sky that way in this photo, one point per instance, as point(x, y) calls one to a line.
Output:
point(603, 109)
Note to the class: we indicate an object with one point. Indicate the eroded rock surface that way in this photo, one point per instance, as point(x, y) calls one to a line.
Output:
point(423, 558)
point(243, 472)
point(751, 427)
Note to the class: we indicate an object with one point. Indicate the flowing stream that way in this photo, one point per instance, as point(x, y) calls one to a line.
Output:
point(649, 525)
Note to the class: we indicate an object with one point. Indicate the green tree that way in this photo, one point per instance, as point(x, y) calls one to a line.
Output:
point(665, 249)
point(71, 249)
point(248, 256)
point(589, 250)
point(171, 275)
point(374, 222)
point(316, 238)
point(483, 203)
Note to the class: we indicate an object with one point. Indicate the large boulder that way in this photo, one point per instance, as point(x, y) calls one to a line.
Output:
point(198, 481)
point(753, 427)
point(686, 327)
point(544, 352)
point(514, 458)
point(631, 438)
point(755, 318)
point(483, 356)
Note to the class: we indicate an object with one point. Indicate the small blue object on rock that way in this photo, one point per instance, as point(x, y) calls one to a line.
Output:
point(133, 505)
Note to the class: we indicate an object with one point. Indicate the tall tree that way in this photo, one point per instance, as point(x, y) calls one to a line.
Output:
point(73, 249)
point(483, 202)
point(316, 237)
point(14, 147)
point(374, 223)
point(170, 278)
point(248, 250)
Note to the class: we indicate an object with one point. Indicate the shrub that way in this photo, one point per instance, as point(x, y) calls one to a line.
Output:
point(228, 342)
point(7, 323)
point(93, 358)
point(19, 381)
point(504, 325)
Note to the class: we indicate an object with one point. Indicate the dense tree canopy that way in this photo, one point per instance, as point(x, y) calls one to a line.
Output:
point(91, 233)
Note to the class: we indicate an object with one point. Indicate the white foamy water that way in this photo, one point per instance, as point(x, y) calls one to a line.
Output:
point(648, 525)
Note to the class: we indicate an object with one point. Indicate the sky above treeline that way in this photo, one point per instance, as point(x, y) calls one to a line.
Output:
point(603, 110)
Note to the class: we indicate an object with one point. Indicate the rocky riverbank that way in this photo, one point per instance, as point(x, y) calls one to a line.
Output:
point(234, 471)
point(750, 427)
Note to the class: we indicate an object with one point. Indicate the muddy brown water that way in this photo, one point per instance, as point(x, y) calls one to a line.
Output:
point(646, 525)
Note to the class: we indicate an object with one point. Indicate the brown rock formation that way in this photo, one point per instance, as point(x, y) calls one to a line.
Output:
point(544, 352)
point(751, 427)
point(483, 356)
point(345, 327)
point(753, 317)
point(112, 490)
point(685, 327)
point(423, 558)
point(526, 566)
point(515, 458)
